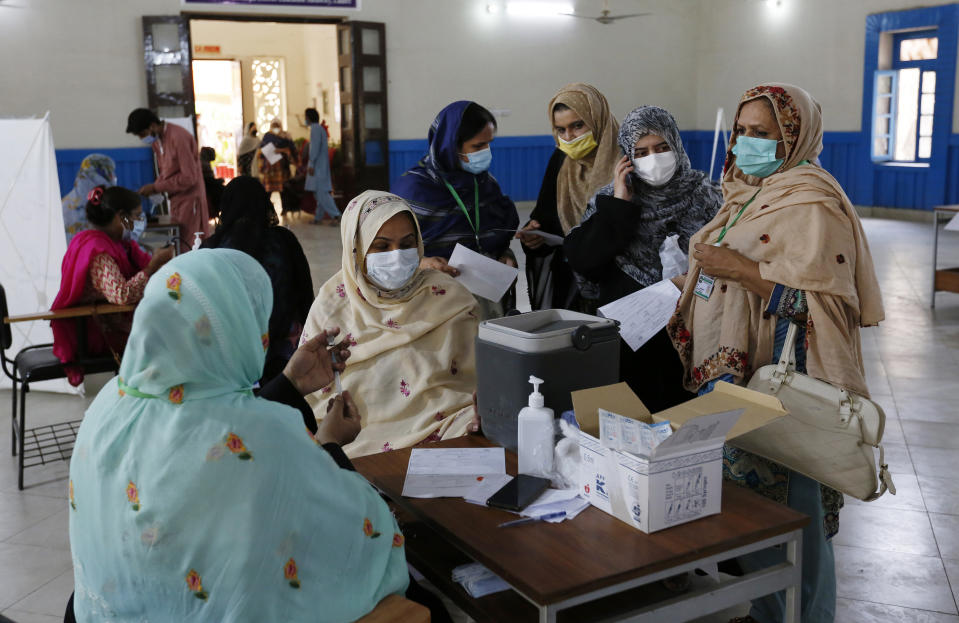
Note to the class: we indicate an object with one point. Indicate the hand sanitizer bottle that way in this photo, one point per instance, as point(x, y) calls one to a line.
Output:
point(197, 240)
point(535, 432)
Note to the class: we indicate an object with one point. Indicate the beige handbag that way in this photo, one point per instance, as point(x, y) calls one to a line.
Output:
point(829, 433)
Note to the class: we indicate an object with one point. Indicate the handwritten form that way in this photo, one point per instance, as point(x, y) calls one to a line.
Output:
point(643, 313)
point(451, 472)
point(481, 275)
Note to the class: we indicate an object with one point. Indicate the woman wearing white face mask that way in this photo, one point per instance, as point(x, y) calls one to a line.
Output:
point(410, 330)
point(615, 251)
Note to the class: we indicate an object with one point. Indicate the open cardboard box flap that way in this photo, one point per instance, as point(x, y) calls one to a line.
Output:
point(759, 409)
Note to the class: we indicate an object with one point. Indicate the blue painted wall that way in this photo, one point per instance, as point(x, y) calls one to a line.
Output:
point(520, 161)
point(134, 165)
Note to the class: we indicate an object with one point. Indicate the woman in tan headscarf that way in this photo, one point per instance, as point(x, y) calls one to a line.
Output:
point(411, 331)
point(584, 160)
point(792, 250)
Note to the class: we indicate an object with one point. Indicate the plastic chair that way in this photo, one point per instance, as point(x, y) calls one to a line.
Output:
point(38, 363)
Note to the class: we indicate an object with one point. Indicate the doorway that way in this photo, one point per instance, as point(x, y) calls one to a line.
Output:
point(218, 95)
point(280, 69)
point(285, 66)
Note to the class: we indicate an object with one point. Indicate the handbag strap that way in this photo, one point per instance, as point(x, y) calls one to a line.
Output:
point(787, 359)
point(885, 479)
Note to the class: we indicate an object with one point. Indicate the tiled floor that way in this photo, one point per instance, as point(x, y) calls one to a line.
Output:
point(897, 559)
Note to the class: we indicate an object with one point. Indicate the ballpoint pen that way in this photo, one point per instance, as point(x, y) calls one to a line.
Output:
point(519, 522)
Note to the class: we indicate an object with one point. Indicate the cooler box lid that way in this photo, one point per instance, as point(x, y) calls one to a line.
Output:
point(548, 330)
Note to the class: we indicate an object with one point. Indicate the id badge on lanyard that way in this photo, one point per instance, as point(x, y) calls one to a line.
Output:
point(704, 286)
point(705, 283)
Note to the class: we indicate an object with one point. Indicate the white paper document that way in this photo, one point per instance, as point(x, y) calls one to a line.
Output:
point(269, 152)
point(481, 275)
point(554, 501)
point(643, 313)
point(551, 240)
point(450, 472)
point(953, 224)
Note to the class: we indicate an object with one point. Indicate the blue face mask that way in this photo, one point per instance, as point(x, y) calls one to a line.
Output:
point(148, 139)
point(479, 161)
point(756, 156)
point(139, 226)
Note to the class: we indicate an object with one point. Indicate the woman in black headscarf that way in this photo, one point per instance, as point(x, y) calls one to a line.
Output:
point(248, 223)
point(615, 251)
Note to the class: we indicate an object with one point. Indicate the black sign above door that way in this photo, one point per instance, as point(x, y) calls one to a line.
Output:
point(328, 4)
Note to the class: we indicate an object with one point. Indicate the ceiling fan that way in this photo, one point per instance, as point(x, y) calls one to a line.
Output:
point(605, 17)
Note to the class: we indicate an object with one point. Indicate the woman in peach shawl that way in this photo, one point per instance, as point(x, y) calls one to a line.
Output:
point(412, 371)
point(790, 249)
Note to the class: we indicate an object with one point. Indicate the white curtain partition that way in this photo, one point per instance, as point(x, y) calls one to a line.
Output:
point(32, 239)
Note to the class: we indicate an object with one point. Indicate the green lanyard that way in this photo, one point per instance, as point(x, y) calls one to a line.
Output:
point(722, 234)
point(473, 224)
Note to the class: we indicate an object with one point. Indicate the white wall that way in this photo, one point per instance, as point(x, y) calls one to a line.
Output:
point(816, 44)
point(308, 51)
point(690, 56)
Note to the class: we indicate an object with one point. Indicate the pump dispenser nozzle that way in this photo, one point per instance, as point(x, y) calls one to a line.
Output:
point(536, 398)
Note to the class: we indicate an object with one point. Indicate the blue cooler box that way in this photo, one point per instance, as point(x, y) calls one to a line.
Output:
point(568, 350)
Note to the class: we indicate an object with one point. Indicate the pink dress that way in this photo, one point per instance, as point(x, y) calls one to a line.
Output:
point(182, 179)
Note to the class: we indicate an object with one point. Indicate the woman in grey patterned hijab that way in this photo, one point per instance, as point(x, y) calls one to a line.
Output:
point(682, 205)
point(614, 251)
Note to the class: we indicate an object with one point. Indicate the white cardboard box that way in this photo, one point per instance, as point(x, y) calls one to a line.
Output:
point(681, 480)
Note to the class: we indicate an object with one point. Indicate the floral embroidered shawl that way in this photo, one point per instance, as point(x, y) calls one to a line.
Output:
point(412, 368)
point(805, 234)
point(191, 500)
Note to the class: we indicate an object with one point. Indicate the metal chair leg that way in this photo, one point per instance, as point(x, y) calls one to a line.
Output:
point(13, 417)
point(24, 388)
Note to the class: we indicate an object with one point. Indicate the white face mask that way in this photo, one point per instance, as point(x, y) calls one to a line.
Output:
point(391, 270)
point(656, 169)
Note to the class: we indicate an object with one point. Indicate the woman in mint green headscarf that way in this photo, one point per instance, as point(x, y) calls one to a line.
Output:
point(192, 500)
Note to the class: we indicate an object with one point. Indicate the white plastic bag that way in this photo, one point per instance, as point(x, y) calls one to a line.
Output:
point(674, 261)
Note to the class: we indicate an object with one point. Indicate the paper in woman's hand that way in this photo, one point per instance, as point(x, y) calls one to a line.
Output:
point(643, 313)
point(269, 152)
point(481, 275)
point(551, 240)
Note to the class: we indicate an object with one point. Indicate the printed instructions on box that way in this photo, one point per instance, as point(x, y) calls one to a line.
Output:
point(686, 494)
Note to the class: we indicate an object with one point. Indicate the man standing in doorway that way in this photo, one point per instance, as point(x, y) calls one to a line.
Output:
point(319, 179)
point(180, 176)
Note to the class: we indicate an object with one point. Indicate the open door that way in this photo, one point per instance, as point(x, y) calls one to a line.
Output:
point(361, 48)
point(166, 55)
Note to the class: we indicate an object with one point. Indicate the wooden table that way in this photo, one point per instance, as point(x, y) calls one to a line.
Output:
point(945, 279)
point(595, 566)
point(72, 312)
